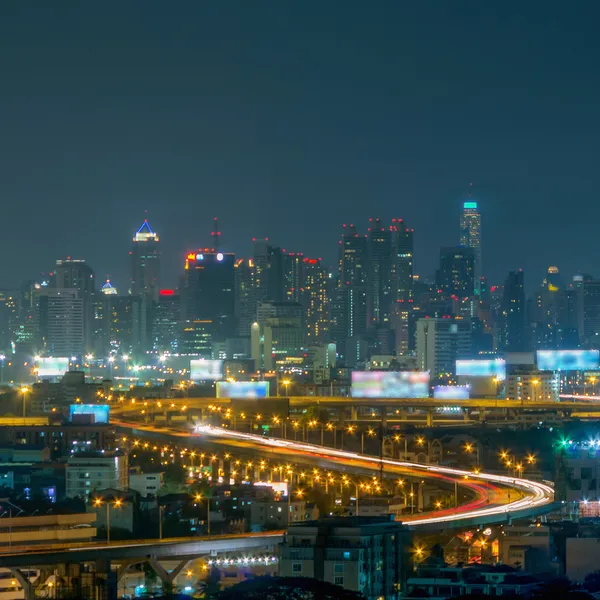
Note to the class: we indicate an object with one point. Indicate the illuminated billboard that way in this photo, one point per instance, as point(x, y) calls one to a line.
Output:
point(52, 366)
point(495, 367)
point(242, 389)
point(206, 370)
point(99, 412)
point(568, 360)
point(451, 392)
point(390, 384)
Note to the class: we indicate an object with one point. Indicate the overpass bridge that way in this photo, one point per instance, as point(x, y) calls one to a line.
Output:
point(125, 554)
point(348, 409)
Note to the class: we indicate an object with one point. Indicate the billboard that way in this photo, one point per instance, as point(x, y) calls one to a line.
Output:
point(52, 366)
point(390, 384)
point(451, 392)
point(568, 360)
point(242, 389)
point(495, 367)
point(206, 370)
point(99, 412)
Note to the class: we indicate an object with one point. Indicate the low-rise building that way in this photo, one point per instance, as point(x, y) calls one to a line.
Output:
point(444, 582)
point(362, 554)
point(270, 513)
point(89, 472)
point(526, 547)
point(146, 484)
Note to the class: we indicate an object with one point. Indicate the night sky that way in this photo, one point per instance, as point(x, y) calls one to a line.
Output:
point(287, 119)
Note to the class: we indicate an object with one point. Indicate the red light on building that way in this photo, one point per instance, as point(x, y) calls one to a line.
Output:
point(166, 292)
point(191, 256)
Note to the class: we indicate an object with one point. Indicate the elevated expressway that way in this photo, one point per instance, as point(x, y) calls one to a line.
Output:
point(496, 498)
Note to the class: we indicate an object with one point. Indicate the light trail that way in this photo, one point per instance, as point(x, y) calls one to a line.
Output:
point(535, 495)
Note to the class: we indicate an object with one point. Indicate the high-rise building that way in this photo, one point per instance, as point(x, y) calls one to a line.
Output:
point(208, 291)
point(145, 263)
point(380, 269)
point(403, 246)
point(165, 325)
point(60, 320)
point(512, 331)
point(591, 313)
point(269, 269)
point(456, 275)
point(78, 275)
point(245, 295)
point(440, 342)
point(315, 300)
point(470, 235)
point(293, 275)
point(349, 306)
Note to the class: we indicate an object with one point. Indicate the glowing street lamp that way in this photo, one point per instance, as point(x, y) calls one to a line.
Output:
point(117, 503)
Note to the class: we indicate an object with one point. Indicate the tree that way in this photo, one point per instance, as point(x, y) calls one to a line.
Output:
point(213, 584)
point(287, 588)
point(560, 588)
point(592, 582)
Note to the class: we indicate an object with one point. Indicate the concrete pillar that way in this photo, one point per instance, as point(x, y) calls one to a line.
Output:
point(430, 417)
point(167, 578)
point(28, 586)
point(341, 416)
point(353, 413)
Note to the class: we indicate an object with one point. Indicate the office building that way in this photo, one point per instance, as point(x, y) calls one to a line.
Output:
point(440, 342)
point(349, 302)
point(403, 248)
point(119, 325)
point(380, 268)
point(368, 555)
point(591, 313)
point(282, 332)
point(145, 263)
point(512, 331)
point(245, 295)
point(525, 382)
point(197, 338)
point(78, 275)
point(270, 280)
point(470, 237)
point(293, 275)
point(456, 275)
point(60, 319)
point(208, 291)
point(315, 300)
point(166, 322)
point(93, 471)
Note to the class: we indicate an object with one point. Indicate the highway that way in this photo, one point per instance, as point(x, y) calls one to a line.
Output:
point(496, 497)
point(170, 548)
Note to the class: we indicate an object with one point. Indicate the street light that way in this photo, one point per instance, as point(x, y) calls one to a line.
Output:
point(200, 498)
point(24, 391)
point(117, 503)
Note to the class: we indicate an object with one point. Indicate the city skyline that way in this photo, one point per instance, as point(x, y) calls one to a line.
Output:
point(284, 128)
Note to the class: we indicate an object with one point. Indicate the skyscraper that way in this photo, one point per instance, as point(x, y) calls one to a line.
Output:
point(403, 248)
point(61, 322)
point(470, 235)
point(380, 267)
point(208, 291)
point(512, 333)
point(78, 275)
point(315, 300)
point(348, 310)
point(456, 275)
point(269, 271)
point(145, 263)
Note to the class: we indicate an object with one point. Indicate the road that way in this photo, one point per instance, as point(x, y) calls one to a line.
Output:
point(495, 496)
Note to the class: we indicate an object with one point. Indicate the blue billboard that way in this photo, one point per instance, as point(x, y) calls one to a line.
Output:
point(494, 367)
point(451, 392)
point(242, 389)
point(568, 360)
point(99, 413)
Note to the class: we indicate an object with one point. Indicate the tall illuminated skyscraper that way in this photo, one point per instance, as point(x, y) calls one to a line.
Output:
point(145, 263)
point(470, 235)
